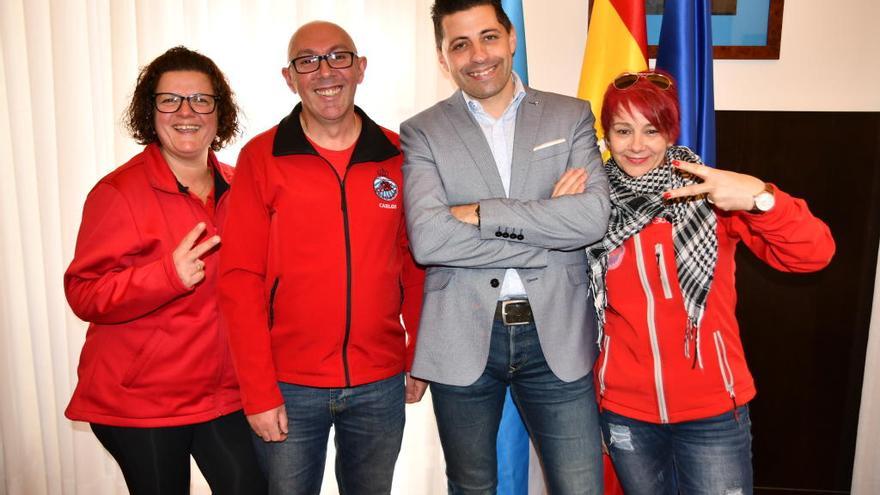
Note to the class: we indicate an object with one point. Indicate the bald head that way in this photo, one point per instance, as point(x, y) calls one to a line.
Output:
point(325, 76)
point(306, 39)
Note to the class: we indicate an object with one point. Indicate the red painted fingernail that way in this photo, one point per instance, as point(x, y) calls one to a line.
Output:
point(676, 163)
point(666, 195)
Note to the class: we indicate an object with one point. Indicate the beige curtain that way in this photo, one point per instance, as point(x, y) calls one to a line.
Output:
point(67, 69)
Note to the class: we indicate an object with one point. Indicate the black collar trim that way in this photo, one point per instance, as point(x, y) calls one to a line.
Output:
point(372, 144)
point(220, 185)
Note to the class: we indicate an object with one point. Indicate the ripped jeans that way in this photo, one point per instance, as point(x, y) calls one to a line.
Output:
point(711, 456)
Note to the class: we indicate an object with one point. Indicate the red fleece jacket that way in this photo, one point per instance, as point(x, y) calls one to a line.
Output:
point(315, 268)
point(155, 354)
point(653, 379)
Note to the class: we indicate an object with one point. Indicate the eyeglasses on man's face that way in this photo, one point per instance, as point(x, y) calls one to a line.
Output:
point(171, 102)
point(310, 63)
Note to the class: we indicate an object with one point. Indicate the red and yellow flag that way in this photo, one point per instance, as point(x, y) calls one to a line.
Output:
point(616, 42)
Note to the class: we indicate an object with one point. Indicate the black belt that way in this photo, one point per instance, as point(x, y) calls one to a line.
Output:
point(514, 312)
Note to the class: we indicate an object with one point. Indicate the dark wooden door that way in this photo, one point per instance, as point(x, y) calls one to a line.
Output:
point(805, 335)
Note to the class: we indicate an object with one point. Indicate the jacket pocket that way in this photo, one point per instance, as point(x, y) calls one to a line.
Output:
point(438, 279)
point(551, 148)
point(723, 364)
point(606, 345)
point(143, 357)
point(664, 276)
point(271, 309)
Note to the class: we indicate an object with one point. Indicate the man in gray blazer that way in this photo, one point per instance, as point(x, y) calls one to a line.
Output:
point(504, 189)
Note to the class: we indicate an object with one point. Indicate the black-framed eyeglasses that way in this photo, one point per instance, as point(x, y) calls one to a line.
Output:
point(171, 102)
point(311, 63)
point(629, 79)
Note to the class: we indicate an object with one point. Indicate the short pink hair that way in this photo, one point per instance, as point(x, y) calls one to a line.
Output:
point(659, 106)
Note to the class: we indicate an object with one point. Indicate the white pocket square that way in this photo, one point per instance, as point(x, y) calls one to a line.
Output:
point(548, 144)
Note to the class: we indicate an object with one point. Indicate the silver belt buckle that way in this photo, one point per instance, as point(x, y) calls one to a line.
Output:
point(504, 305)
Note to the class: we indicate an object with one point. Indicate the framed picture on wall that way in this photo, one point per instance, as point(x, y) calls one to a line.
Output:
point(741, 29)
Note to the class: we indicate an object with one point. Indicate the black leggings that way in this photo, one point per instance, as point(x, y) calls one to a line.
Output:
point(156, 460)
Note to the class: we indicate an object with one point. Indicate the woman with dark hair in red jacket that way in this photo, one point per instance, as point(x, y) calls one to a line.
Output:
point(156, 381)
point(672, 378)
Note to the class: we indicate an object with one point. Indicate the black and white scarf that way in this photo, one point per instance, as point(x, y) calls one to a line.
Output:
point(635, 202)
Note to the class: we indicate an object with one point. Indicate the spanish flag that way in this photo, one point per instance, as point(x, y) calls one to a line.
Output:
point(616, 43)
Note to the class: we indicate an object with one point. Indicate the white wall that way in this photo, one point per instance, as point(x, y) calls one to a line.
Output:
point(823, 65)
point(829, 59)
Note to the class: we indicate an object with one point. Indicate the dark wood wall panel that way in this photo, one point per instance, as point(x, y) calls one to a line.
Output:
point(805, 335)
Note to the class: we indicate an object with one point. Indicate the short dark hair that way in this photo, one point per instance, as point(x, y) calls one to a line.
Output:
point(138, 117)
point(443, 8)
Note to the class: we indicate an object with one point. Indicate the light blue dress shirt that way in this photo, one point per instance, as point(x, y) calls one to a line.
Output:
point(499, 135)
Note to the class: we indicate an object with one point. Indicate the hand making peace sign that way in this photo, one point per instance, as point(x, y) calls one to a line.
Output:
point(728, 191)
point(190, 268)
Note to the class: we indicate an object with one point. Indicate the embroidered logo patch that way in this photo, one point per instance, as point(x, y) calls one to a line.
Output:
point(615, 258)
point(385, 188)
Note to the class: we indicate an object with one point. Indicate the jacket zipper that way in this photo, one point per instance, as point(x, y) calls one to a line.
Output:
point(724, 365)
point(652, 331)
point(606, 343)
point(661, 264)
point(345, 227)
point(272, 302)
point(201, 214)
point(347, 283)
point(224, 346)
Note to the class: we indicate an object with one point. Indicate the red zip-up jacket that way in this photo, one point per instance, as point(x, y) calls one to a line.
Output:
point(155, 354)
point(315, 268)
point(644, 371)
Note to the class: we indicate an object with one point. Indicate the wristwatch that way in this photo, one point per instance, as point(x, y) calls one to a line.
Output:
point(764, 200)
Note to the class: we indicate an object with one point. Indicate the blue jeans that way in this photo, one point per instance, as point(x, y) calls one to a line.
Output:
point(368, 421)
point(561, 418)
point(711, 456)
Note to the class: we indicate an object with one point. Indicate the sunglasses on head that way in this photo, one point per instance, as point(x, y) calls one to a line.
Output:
point(628, 80)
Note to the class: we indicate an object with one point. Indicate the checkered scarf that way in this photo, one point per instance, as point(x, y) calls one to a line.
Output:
point(635, 201)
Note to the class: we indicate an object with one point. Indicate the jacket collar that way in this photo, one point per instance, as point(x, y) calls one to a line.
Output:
point(528, 118)
point(457, 100)
point(372, 144)
point(161, 177)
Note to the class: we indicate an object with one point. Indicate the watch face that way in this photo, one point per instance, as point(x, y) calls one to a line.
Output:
point(764, 201)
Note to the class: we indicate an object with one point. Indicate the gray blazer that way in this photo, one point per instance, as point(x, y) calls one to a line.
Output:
point(448, 162)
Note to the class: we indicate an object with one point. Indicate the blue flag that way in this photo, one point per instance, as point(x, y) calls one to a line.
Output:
point(685, 51)
point(512, 445)
point(514, 10)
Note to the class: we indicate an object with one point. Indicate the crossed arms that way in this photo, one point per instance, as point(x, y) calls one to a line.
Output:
point(568, 222)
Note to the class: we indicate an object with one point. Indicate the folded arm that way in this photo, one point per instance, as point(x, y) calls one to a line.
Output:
point(108, 281)
point(435, 235)
point(567, 222)
point(788, 237)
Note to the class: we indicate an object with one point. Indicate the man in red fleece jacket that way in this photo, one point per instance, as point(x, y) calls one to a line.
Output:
point(315, 276)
